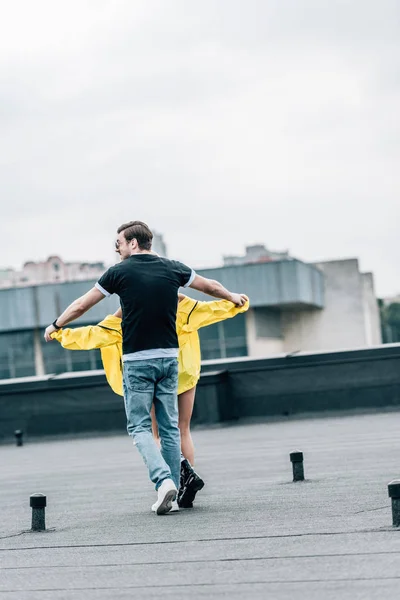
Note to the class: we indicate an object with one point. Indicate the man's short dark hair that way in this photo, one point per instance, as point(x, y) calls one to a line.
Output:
point(139, 231)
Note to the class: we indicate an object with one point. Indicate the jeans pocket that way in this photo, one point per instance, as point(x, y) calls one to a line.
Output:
point(138, 379)
point(170, 380)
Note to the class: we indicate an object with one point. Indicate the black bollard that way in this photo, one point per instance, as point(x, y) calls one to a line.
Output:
point(394, 494)
point(296, 459)
point(38, 503)
point(18, 437)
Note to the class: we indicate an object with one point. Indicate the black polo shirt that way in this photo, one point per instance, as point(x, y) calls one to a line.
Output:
point(148, 289)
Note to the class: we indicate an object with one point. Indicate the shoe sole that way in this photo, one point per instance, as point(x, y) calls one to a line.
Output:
point(166, 504)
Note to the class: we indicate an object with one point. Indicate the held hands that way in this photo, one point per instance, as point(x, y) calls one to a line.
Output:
point(239, 299)
point(50, 329)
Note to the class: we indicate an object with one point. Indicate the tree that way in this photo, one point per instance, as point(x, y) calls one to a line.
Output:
point(390, 319)
point(393, 314)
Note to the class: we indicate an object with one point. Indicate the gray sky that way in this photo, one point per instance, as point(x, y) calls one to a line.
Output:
point(221, 123)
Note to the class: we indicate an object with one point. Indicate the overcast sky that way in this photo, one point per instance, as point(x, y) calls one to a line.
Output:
point(221, 123)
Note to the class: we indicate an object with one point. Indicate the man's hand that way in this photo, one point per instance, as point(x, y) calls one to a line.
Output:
point(50, 329)
point(217, 290)
point(239, 299)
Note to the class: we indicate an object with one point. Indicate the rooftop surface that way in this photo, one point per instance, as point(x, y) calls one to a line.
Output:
point(252, 534)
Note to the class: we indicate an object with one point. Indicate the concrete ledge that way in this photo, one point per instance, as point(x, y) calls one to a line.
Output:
point(228, 390)
point(313, 382)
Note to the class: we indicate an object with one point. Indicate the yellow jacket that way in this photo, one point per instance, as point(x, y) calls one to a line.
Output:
point(107, 335)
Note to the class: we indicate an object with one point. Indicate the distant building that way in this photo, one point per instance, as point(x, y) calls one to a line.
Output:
point(159, 244)
point(52, 270)
point(295, 306)
point(257, 253)
point(6, 275)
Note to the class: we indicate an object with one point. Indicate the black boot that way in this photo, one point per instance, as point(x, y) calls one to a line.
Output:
point(191, 483)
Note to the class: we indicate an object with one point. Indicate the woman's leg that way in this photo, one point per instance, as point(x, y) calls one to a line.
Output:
point(185, 405)
point(191, 482)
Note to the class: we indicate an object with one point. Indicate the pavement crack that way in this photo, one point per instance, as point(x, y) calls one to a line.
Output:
point(205, 584)
point(205, 560)
point(206, 540)
point(6, 537)
point(25, 532)
point(371, 510)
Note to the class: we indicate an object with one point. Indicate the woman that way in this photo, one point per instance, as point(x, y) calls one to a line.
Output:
point(191, 316)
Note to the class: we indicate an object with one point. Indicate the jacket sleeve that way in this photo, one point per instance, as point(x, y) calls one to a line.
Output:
point(208, 313)
point(86, 338)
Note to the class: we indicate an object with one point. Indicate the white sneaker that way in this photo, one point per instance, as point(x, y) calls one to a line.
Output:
point(167, 493)
point(174, 506)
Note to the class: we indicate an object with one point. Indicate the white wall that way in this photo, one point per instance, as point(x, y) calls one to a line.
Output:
point(342, 323)
point(259, 344)
point(372, 317)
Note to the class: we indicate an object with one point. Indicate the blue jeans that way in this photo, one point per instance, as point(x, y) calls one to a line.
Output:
point(147, 381)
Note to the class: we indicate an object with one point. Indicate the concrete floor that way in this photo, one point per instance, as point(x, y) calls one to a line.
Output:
point(252, 534)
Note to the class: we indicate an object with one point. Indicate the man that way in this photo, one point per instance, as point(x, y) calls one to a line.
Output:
point(148, 288)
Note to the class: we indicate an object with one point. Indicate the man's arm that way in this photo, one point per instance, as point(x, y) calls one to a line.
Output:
point(75, 310)
point(216, 290)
